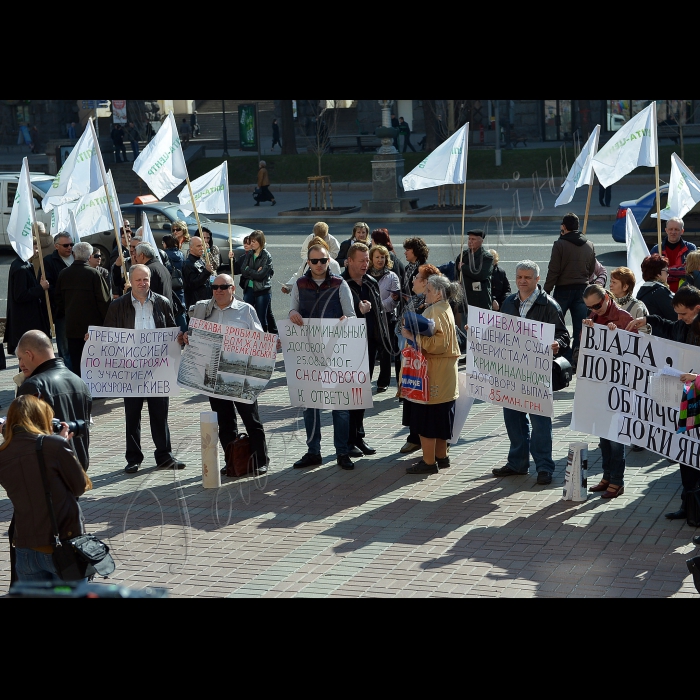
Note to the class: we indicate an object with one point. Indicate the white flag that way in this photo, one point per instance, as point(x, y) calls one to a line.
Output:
point(79, 175)
point(683, 190)
point(60, 217)
point(210, 192)
point(446, 165)
point(146, 233)
point(637, 249)
point(92, 213)
point(73, 227)
point(581, 172)
point(633, 145)
point(19, 229)
point(161, 164)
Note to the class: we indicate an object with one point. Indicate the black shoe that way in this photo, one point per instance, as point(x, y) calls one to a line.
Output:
point(344, 462)
point(677, 515)
point(696, 539)
point(507, 471)
point(308, 460)
point(260, 470)
point(544, 478)
point(365, 448)
point(257, 204)
point(423, 468)
point(223, 471)
point(637, 448)
point(172, 463)
point(443, 462)
point(131, 468)
point(355, 451)
point(273, 203)
point(381, 389)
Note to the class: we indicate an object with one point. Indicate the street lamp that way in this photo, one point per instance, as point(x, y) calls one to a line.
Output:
point(223, 119)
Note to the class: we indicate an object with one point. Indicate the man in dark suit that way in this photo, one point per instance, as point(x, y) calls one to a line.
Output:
point(83, 299)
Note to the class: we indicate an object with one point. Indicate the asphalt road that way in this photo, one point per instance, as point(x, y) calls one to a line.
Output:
point(533, 242)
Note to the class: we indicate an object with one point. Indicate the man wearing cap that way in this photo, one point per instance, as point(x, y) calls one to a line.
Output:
point(476, 271)
point(571, 265)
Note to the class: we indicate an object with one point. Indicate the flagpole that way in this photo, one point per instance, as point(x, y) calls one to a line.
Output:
point(230, 241)
point(464, 201)
point(656, 172)
point(588, 206)
point(36, 235)
point(109, 204)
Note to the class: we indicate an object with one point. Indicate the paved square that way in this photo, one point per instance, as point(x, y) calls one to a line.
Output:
point(375, 531)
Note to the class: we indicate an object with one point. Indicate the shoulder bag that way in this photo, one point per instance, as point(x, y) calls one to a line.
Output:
point(80, 557)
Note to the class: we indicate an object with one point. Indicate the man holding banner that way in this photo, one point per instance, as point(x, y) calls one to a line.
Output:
point(319, 294)
point(533, 303)
point(140, 308)
point(226, 310)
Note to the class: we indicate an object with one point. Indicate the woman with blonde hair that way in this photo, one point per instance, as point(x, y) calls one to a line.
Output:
point(434, 419)
point(692, 270)
point(31, 532)
point(333, 265)
point(181, 234)
point(360, 234)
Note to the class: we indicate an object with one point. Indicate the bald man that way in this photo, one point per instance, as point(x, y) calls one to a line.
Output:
point(48, 378)
point(197, 274)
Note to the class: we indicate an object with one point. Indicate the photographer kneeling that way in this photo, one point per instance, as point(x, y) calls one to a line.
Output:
point(27, 419)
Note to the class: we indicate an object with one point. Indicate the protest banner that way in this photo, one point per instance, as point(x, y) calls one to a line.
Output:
point(125, 362)
point(326, 363)
point(616, 397)
point(227, 362)
point(509, 361)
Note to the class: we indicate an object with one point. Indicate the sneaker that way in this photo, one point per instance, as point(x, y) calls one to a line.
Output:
point(409, 447)
point(423, 468)
point(443, 462)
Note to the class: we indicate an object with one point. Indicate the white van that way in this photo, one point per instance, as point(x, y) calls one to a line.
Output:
point(8, 189)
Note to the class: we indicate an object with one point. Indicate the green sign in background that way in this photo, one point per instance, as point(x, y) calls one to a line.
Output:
point(247, 128)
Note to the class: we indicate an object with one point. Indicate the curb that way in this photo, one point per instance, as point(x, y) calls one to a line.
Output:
point(401, 219)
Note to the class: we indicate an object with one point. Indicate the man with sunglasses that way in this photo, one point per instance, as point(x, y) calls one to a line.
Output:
point(94, 262)
point(320, 294)
point(54, 264)
point(225, 309)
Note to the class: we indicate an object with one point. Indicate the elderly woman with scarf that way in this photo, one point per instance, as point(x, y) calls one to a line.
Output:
point(390, 290)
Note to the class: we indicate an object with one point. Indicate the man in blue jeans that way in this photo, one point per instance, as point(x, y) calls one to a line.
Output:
point(532, 302)
point(571, 266)
point(320, 294)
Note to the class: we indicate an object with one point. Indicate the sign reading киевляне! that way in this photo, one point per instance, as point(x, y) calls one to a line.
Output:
point(122, 362)
point(326, 363)
point(509, 361)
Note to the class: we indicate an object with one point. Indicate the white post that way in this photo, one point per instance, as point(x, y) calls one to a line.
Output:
point(211, 476)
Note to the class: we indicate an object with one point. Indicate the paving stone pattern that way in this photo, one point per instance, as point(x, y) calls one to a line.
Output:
point(375, 531)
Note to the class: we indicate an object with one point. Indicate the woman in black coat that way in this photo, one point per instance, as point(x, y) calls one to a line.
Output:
point(500, 286)
point(654, 293)
point(26, 303)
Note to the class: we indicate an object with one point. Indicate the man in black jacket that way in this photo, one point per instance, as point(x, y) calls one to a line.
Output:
point(161, 282)
point(685, 330)
point(367, 301)
point(49, 379)
point(26, 302)
point(54, 264)
point(532, 302)
point(196, 274)
point(142, 308)
point(83, 299)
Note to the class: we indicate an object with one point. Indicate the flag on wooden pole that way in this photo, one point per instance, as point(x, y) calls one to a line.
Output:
point(161, 164)
point(683, 190)
point(581, 172)
point(211, 193)
point(637, 249)
point(446, 165)
point(633, 145)
point(19, 228)
point(79, 175)
point(92, 212)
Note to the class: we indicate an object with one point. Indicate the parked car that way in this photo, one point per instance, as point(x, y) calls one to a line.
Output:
point(162, 214)
point(643, 208)
point(8, 188)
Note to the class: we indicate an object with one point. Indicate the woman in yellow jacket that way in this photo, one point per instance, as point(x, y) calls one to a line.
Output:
point(433, 420)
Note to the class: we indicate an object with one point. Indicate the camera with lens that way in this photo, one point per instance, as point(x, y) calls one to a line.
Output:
point(77, 427)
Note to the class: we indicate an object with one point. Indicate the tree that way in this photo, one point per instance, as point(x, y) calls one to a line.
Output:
point(289, 140)
point(321, 125)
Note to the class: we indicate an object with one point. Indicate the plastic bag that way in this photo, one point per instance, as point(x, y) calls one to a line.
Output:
point(414, 375)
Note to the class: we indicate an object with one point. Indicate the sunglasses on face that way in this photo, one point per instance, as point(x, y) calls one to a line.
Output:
point(66, 245)
point(318, 261)
point(97, 256)
point(215, 287)
point(596, 307)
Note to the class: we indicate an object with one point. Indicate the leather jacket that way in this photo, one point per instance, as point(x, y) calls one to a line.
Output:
point(251, 271)
point(121, 312)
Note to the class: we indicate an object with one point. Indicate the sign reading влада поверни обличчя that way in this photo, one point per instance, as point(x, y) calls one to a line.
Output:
point(326, 363)
point(509, 361)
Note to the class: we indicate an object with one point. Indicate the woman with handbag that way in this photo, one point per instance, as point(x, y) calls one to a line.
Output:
point(29, 420)
point(433, 419)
